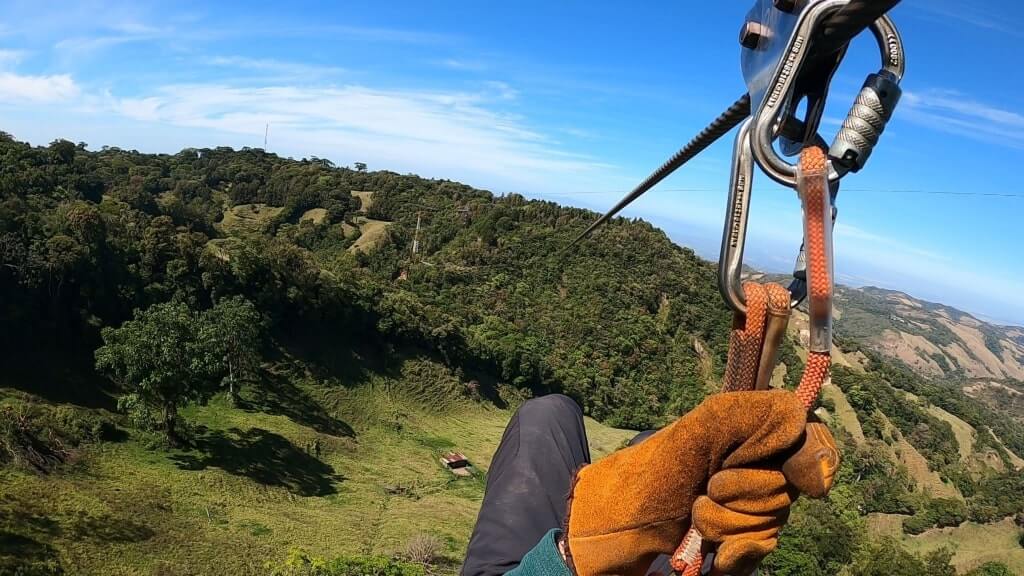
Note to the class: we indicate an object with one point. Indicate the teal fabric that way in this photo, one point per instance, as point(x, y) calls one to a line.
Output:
point(543, 560)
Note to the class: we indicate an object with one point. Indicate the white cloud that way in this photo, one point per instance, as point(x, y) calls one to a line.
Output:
point(896, 248)
point(447, 134)
point(970, 13)
point(953, 112)
point(459, 64)
point(11, 57)
point(20, 89)
point(502, 89)
point(280, 68)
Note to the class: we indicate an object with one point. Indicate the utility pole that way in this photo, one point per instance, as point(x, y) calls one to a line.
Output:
point(416, 235)
point(266, 132)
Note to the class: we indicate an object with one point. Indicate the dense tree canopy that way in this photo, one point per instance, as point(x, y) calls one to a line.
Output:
point(167, 278)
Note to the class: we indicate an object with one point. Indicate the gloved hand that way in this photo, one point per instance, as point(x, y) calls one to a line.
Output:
point(751, 452)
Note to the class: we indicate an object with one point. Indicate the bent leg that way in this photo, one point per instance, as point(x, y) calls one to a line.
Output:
point(527, 483)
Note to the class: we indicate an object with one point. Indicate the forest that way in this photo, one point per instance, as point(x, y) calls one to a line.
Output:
point(134, 287)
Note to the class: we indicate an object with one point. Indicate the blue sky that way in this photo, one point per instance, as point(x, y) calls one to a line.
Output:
point(571, 101)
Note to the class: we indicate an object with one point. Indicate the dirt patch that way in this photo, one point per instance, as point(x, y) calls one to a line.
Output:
point(1016, 460)
point(971, 367)
point(975, 341)
point(917, 465)
point(905, 301)
point(372, 231)
point(366, 199)
point(912, 350)
point(317, 215)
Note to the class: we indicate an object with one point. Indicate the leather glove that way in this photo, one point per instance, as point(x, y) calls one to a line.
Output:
point(751, 453)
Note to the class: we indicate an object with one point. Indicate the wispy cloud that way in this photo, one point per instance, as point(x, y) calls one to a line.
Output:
point(278, 68)
point(894, 247)
point(460, 64)
point(502, 90)
point(111, 35)
point(18, 88)
point(956, 113)
point(434, 132)
point(11, 57)
point(970, 13)
point(84, 45)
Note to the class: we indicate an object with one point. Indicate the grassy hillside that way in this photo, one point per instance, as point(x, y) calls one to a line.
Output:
point(122, 449)
point(252, 485)
point(933, 339)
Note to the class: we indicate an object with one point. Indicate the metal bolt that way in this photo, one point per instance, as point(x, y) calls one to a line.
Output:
point(751, 34)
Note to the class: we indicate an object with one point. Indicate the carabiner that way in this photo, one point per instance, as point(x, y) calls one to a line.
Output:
point(734, 233)
point(859, 134)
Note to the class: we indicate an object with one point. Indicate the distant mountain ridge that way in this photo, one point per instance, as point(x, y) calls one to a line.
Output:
point(933, 339)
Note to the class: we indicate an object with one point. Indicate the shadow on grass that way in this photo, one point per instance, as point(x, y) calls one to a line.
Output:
point(108, 529)
point(76, 525)
point(72, 382)
point(24, 555)
point(265, 457)
point(278, 394)
point(18, 518)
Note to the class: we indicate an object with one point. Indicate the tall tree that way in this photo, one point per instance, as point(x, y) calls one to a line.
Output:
point(235, 332)
point(163, 359)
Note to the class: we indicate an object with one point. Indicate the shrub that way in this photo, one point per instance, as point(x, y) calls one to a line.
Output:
point(991, 569)
point(25, 445)
point(512, 396)
point(937, 513)
point(38, 437)
point(423, 548)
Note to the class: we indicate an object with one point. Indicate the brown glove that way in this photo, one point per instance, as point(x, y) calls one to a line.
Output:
point(635, 504)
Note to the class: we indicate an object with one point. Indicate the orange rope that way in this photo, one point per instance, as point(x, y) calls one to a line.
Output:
point(747, 338)
point(816, 201)
point(745, 343)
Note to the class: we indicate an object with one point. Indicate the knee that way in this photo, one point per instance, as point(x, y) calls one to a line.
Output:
point(553, 408)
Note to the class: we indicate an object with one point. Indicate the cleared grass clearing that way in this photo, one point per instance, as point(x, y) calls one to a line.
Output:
point(316, 215)
point(247, 218)
point(371, 233)
point(366, 198)
point(890, 525)
point(924, 477)
point(1016, 460)
point(974, 544)
point(927, 480)
point(845, 413)
point(254, 485)
point(964, 432)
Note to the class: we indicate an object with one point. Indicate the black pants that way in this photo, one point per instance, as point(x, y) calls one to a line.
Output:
point(527, 483)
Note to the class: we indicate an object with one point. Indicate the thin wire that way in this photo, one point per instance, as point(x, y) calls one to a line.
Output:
point(856, 190)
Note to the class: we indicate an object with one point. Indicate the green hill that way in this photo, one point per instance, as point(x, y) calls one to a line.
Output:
point(365, 360)
point(365, 479)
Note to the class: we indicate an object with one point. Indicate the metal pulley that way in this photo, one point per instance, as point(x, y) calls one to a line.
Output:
point(776, 45)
